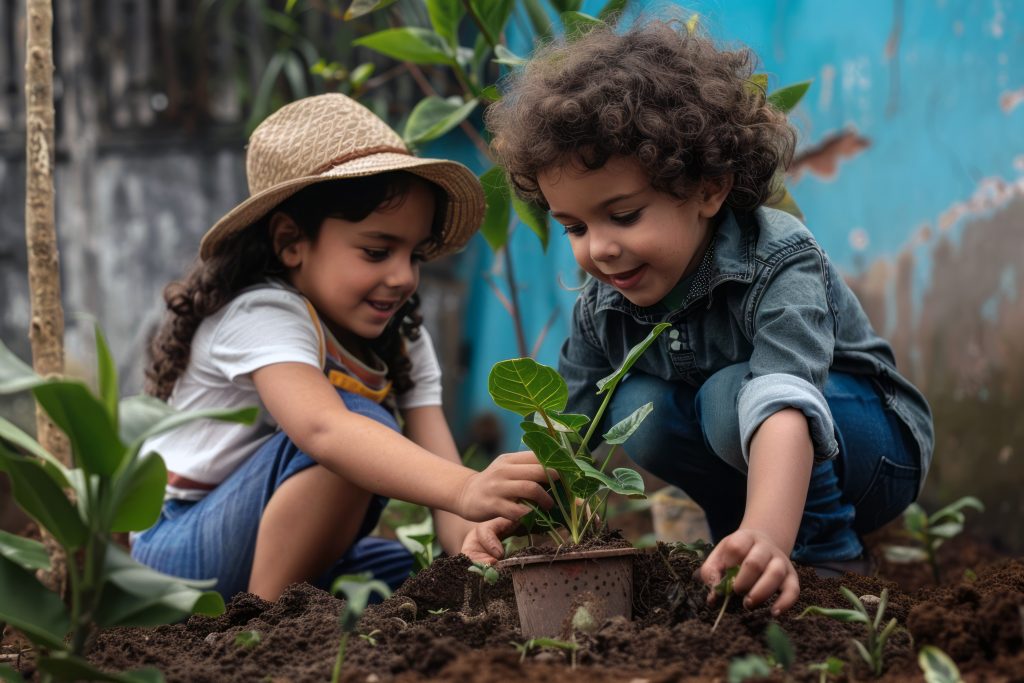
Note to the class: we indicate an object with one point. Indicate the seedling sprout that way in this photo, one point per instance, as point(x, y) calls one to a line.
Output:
point(724, 589)
point(872, 649)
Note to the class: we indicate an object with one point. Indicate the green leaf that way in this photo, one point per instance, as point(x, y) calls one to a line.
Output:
point(143, 417)
point(409, 44)
point(139, 493)
point(9, 674)
point(445, 16)
point(624, 481)
point(937, 666)
point(864, 654)
point(84, 419)
point(490, 93)
point(15, 375)
point(578, 24)
point(915, 520)
point(64, 666)
point(785, 99)
point(24, 552)
point(538, 19)
point(412, 535)
point(570, 421)
point(549, 452)
point(107, 372)
point(947, 530)
point(248, 639)
point(611, 381)
point(30, 607)
point(523, 385)
point(493, 14)
point(433, 116)
point(357, 589)
point(496, 219)
point(14, 436)
point(136, 595)
point(361, 74)
point(360, 8)
point(956, 507)
point(845, 615)
point(901, 554)
point(625, 428)
point(534, 217)
point(748, 666)
point(43, 499)
point(566, 5)
point(780, 645)
point(724, 586)
point(503, 55)
point(612, 9)
point(760, 82)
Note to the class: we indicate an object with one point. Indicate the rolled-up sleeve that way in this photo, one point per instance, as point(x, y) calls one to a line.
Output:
point(793, 328)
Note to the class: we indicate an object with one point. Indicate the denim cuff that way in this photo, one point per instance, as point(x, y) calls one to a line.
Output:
point(766, 395)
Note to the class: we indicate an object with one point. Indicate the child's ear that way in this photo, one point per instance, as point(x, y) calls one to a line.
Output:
point(287, 239)
point(713, 193)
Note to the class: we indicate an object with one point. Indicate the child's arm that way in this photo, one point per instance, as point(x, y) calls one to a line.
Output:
point(378, 459)
point(426, 426)
point(781, 457)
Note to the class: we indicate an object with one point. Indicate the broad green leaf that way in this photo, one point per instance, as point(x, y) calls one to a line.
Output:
point(140, 494)
point(847, 615)
point(780, 645)
point(15, 375)
point(915, 519)
point(360, 8)
point(569, 421)
point(549, 453)
point(937, 666)
point(361, 74)
point(143, 417)
point(901, 554)
point(136, 595)
point(445, 16)
point(622, 480)
point(10, 433)
point(83, 417)
point(493, 14)
point(947, 530)
point(612, 9)
point(64, 666)
point(30, 607)
point(24, 552)
point(584, 488)
point(490, 93)
point(411, 535)
point(357, 589)
point(107, 371)
point(496, 219)
point(625, 428)
point(578, 24)
point(409, 44)
point(43, 499)
point(523, 385)
point(785, 99)
point(433, 116)
point(503, 55)
point(956, 507)
point(566, 5)
point(611, 381)
point(534, 217)
point(538, 19)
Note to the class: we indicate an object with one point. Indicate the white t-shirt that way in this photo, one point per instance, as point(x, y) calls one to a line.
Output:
point(259, 327)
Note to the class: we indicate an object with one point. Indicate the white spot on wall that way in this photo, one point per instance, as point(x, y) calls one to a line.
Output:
point(828, 79)
point(859, 239)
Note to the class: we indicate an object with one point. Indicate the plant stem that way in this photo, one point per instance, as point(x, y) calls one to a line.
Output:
point(340, 659)
point(596, 421)
point(484, 31)
point(725, 603)
point(513, 290)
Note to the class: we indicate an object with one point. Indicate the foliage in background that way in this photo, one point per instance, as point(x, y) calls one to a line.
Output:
point(928, 532)
point(538, 392)
point(110, 487)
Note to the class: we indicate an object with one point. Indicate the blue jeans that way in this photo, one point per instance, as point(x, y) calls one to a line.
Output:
point(692, 440)
point(215, 537)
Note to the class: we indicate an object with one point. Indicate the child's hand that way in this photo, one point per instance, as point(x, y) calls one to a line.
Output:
point(483, 542)
point(496, 491)
point(764, 569)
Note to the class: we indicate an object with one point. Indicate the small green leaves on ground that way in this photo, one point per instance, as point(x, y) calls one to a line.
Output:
point(873, 647)
point(937, 666)
point(357, 589)
point(487, 573)
point(539, 643)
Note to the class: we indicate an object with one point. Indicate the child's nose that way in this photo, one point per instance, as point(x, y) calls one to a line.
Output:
point(402, 275)
point(603, 247)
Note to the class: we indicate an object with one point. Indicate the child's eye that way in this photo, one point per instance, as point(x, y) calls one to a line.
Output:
point(418, 257)
point(375, 254)
point(575, 230)
point(627, 218)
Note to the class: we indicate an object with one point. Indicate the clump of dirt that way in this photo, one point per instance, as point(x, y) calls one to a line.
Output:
point(447, 624)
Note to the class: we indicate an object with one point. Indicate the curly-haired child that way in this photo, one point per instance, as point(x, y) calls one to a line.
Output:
point(303, 303)
point(776, 405)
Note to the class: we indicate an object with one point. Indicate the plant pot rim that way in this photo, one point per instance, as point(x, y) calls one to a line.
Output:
point(599, 553)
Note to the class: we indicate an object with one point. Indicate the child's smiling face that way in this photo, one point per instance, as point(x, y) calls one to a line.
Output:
point(624, 232)
point(358, 274)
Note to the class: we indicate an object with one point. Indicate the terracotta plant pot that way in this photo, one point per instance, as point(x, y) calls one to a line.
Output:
point(549, 588)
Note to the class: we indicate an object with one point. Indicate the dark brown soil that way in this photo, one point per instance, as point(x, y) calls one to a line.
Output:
point(445, 624)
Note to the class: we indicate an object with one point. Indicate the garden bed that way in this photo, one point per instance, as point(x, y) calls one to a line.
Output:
point(445, 624)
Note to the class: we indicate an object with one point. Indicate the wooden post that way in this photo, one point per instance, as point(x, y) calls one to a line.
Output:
point(46, 328)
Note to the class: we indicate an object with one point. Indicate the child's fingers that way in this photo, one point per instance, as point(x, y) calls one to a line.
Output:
point(527, 490)
point(788, 594)
point(754, 565)
point(728, 553)
point(770, 580)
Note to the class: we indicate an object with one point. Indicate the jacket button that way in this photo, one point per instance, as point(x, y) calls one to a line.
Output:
point(676, 345)
point(673, 334)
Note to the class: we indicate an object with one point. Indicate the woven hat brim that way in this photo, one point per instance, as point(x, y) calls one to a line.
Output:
point(464, 212)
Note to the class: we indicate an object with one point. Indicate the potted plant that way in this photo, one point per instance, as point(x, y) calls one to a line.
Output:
point(549, 587)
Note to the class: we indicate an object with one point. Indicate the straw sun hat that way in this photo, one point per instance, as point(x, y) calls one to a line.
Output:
point(329, 137)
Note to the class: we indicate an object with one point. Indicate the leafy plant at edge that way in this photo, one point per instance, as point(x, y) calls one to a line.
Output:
point(357, 589)
point(872, 649)
point(111, 487)
point(421, 541)
point(930, 531)
point(937, 666)
point(781, 656)
point(538, 392)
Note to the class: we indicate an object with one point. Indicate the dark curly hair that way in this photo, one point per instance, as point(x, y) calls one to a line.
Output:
point(248, 258)
point(685, 109)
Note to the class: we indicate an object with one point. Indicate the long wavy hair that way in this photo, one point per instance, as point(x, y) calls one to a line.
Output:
point(248, 258)
point(685, 109)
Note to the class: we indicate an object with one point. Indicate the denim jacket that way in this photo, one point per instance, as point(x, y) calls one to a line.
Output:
point(764, 294)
